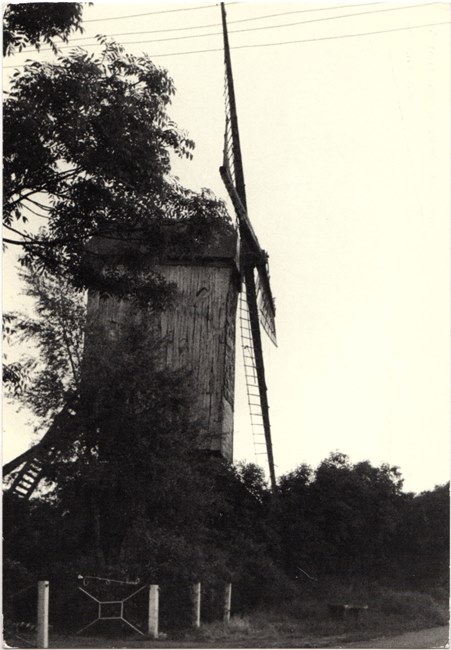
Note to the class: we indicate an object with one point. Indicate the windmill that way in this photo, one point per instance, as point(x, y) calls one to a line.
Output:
point(198, 331)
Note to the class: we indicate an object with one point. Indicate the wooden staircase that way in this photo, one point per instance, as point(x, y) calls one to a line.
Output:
point(32, 463)
point(30, 474)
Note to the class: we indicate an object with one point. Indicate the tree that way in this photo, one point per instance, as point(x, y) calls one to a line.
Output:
point(30, 23)
point(92, 158)
point(342, 519)
point(55, 331)
point(131, 490)
point(422, 539)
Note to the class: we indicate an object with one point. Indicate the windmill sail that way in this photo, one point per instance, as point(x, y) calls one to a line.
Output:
point(251, 375)
point(233, 177)
point(253, 266)
point(266, 310)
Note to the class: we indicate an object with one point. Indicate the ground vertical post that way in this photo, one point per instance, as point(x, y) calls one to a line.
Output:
point(195, 596)
point(152, 625)
point(227, 601)
point(43, 614)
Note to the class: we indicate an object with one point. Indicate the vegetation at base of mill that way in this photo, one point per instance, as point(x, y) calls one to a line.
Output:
point(302, 622)
point(216, 523)
point(306, 617)
point(130, 497)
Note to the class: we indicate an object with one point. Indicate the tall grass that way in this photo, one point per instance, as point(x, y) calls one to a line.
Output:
point(307, 616)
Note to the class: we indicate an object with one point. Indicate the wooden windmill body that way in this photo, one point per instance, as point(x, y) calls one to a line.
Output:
point(197, 333)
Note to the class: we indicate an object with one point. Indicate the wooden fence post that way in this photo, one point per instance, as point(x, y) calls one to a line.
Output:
point(195, 595)
point(43, 614)
point(227, 602)
point(152, 626)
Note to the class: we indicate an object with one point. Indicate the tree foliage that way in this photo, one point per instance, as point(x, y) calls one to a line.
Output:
point(134, 494)
point(92, 158)
point(52, 336)
point(32, 22)
point(423, 537)
point(353, 520)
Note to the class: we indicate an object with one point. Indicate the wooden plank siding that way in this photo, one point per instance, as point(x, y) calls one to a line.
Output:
point(196, 334)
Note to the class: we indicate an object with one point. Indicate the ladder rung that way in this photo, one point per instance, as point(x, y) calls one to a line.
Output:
point(24, 479)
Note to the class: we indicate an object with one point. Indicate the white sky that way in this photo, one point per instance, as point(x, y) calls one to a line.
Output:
point(346, 147)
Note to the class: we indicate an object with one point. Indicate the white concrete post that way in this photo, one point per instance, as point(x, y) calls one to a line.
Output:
point(152, 626)
point(227, 602)
point(195, 594)
point(43, 614)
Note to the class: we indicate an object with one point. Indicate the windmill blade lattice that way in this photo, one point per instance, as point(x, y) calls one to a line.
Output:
point(233, 178)
point(250, 372)
point(228, 160)
point(266, 311)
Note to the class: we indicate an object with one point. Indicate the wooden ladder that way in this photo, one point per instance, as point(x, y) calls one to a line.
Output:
point(31, 463)
point(30, 474)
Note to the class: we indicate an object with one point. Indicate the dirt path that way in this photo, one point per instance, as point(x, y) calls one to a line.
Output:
point(435, 637)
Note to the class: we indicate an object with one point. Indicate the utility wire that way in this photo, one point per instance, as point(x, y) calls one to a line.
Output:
point(229, 22)
point(301, 22)
point(307, 40)
point(150, 13)
point(252, 29)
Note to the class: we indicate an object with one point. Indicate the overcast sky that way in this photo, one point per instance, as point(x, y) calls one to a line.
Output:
point(344, 124)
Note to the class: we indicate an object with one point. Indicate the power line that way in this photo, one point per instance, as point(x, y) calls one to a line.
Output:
point(149, 13)
point(307, 40)
point(252, 29)
point(230, 22)
point(301, 22)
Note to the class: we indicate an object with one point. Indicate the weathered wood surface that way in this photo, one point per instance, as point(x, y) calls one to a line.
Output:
point(196, 334)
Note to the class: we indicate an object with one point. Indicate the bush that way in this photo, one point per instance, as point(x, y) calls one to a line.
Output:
point(413, 605)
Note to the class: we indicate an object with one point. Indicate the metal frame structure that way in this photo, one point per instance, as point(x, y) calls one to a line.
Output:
point(121, 603)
